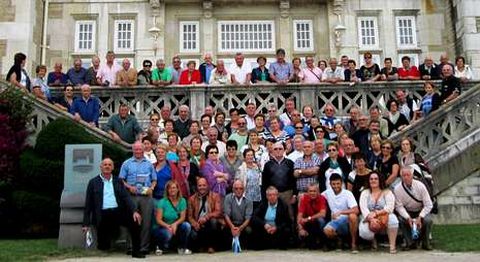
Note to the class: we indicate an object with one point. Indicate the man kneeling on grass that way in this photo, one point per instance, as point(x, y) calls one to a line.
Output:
point(344, 209)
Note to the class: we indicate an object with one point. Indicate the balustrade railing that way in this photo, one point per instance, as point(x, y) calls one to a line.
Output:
point(145, 100)
point(442, 128)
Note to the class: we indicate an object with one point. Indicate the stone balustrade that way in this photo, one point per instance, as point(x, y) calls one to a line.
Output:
point(145, 100)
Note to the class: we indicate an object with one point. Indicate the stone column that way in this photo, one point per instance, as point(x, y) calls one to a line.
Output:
point(285, 27)
point(158, 11)
point(207, 28)
point(197, 101)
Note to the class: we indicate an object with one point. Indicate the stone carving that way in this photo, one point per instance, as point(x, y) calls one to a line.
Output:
point(284, 8)
point(207, 9)
point(155, 4)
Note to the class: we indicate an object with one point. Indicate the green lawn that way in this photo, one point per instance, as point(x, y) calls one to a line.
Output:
point(457, 238)
point(452, 238)
point(38, 250)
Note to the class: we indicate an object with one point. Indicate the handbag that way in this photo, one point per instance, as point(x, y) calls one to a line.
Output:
point(379, 223)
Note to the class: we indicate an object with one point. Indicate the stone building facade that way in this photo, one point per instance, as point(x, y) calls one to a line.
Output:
point(152, 29)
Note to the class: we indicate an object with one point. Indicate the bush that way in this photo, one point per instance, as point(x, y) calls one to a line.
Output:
point(14, 114)
point(52, 140)
point(30, 206)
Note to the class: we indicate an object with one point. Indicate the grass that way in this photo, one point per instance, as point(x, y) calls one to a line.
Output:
point(456, 238)
point(450, 238)
point(39, 250)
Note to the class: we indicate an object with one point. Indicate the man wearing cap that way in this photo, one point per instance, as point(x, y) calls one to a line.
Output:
point(144, 77)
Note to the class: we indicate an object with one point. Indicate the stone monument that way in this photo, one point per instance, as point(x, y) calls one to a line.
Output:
point(82, 162)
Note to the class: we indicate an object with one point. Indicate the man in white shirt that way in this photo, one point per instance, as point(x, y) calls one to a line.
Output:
point(212, 140)
point(241, 72)
point(250, 117)
point(107, 73)
point(344, 212)
point(333, 74)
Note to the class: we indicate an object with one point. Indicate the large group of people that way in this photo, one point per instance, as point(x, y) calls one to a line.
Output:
point(268, 181)
point(275, 180)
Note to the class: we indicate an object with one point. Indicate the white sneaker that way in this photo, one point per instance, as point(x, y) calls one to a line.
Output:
point(187, 251)
point(158, 252)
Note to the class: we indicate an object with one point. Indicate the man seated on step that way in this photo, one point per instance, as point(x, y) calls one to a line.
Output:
point(344, 212)
point(413, 205)
point(238, 211)
point(108, 205)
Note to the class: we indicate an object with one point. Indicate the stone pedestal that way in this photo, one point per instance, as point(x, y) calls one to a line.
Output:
point(82, 163)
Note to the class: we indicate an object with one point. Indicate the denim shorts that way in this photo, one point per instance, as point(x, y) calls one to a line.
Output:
point(340, 225)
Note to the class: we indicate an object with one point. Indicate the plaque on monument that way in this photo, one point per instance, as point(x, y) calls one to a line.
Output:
point(82, 162)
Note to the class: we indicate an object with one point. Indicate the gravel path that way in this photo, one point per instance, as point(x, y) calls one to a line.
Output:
point(301, 256)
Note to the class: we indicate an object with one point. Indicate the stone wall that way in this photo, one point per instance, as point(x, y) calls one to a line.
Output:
point(7, 11)
point(460, 204)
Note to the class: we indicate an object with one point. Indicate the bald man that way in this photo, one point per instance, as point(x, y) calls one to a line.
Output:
point(109, 206)
point(127, 76)
point(57, 77)
point(139, 178)
point(87, 108)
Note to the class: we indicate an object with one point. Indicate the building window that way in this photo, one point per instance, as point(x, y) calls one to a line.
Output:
point(85, 34)
point(368, 33)
point(303, 35)
point(406, 31)
point(124, 36)
point(235, 36)
point(189, 37)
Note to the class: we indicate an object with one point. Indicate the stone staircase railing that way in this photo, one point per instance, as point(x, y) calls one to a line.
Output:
point(449, 139)
point(44, 112)
point(145, 100)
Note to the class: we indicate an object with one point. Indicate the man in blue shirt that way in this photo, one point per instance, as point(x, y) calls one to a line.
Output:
point(108, 206)
point(87, 108)
point(206, 67)
point(281, 71)
point(140, 179)
point(77, 74)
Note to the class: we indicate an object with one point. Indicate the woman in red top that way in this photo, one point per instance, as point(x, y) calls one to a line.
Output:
point(408, 72)
point(190, 75)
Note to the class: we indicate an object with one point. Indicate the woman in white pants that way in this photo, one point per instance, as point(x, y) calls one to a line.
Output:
point(377, 204)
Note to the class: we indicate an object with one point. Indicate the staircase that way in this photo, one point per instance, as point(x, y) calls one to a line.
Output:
point(44, 112)
point(449, 140)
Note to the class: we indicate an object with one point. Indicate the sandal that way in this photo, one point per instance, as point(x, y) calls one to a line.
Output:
point(393, 251)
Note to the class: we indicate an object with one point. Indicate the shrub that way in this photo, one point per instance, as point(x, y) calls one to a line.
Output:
point(52, 140)
point(14, 114)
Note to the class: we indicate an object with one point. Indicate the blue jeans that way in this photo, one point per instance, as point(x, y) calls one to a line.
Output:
point(163, 236)
point(340, 225)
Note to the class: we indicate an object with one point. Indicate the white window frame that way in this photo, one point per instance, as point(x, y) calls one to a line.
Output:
point(413, 59)
point(117, 48)
point(310, 39)
point(375, 33)
point(196, 40)
point(413, 31)
point(78, 23)
point(271, 23)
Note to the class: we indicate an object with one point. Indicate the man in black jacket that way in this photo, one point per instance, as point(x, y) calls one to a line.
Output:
point(107, 206)
point(271, 222)
point(278, 172)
